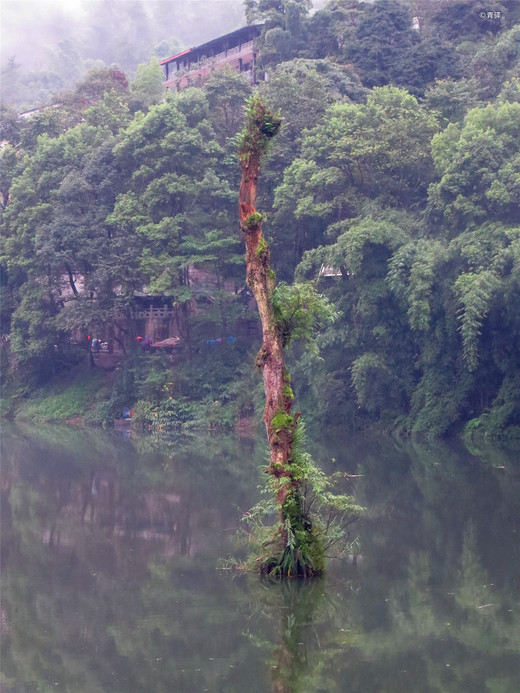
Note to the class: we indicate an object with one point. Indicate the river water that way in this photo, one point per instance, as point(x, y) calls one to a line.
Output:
point(110, 549)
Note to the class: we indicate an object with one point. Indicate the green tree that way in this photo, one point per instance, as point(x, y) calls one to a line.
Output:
point(146, 88)
point(58, 252)
point(452, 99)
point(461, 22)
point(226, 91)
point(9, 124)
point(386, 49)
point(302, 90)
point(48, 121)
point(284, 30)
point(427, 300)
point(332, 28)
point(478, 165)
point(98, 81)
point(175, 201)
point(369, 352)
point(358, 154)
point(494, 62)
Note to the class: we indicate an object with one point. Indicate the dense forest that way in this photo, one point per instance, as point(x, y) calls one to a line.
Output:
point(393, 188)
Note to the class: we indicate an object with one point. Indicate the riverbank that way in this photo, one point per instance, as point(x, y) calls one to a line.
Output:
point(215, 391)
point(197, 394)
point(74, 398)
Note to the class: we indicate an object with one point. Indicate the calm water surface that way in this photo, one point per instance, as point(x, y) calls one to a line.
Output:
point(109, 579)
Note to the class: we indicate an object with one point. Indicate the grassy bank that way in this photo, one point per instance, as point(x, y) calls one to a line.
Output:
point(73, 397)
point(206, 392)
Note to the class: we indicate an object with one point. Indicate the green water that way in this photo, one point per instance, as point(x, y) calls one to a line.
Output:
point(109, 579)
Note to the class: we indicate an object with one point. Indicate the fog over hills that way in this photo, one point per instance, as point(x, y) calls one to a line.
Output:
point(48, 45)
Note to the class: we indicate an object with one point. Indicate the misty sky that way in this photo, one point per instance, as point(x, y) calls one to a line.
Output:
point(24, 23)
point(30, 27)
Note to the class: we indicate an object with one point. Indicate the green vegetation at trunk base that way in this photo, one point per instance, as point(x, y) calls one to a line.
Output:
point(311, 524)
point(302, 551)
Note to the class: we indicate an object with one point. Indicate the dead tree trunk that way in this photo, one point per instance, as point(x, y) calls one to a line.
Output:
point(261, 126)
point(296, 539)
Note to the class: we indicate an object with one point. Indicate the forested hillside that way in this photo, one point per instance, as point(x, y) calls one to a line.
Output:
point(394, 186)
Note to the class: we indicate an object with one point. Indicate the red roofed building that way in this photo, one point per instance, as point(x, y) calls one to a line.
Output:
point(194, 65)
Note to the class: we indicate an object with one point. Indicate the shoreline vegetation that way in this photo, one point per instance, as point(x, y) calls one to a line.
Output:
point(82, 400)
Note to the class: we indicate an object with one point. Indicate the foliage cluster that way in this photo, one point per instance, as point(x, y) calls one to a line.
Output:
point(107, 207)
point(300, 311)
point(260, 127)
point(204, 393)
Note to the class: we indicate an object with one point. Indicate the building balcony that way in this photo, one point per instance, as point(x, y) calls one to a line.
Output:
point(201, 69)
point(236, 52)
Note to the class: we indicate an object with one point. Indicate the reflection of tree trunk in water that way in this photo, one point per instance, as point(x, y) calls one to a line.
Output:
point(86, 497)
point(102, 497)
point(110, 521)
point(281, 682)
point(183, 527)
point(291, 665)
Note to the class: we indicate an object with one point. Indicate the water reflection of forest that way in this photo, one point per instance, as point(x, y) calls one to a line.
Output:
point(165, 497)
point(109, 551)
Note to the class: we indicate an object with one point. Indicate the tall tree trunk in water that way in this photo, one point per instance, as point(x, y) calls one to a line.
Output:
point(261, 125)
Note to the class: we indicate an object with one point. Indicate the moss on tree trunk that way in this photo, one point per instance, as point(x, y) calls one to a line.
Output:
point(261, 126)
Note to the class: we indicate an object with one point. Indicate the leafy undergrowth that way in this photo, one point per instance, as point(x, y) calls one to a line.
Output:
point(62, 401)
point(207, 393)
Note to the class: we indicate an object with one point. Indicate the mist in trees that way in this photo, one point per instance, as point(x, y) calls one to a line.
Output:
point(46, 48)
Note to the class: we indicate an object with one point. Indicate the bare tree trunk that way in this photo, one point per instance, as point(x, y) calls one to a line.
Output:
point(260, 278)
point(298, 548)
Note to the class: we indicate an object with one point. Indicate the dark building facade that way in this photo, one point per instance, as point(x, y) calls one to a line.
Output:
point(192, 66)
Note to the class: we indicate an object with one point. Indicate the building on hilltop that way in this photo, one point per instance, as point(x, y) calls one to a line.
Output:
point(194, 65)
